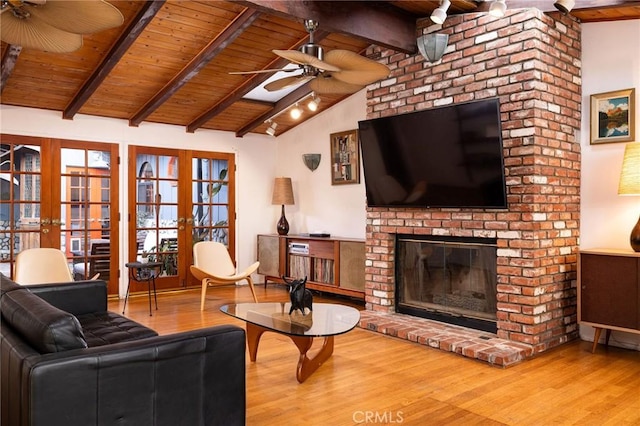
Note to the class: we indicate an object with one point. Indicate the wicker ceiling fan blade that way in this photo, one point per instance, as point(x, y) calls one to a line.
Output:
point(36, 34)
point(78, 17)
point(305, 59)
point(264, 71)
point(356, 69)
point(330, 85)
point(286, 82)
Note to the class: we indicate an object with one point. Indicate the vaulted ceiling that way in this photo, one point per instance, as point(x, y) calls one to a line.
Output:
point(170, 61)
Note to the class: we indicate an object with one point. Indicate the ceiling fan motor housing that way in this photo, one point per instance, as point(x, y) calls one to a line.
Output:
point(313, 50)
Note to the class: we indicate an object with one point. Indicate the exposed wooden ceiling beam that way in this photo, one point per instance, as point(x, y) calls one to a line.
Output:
point(375, 22)
point(279, 106)
point(224, 39)
point(249, 85)
point(9, 60)
point(126, 39)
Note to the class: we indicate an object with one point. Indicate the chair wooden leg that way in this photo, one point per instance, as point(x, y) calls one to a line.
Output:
point(253, 290)
point(205, 284)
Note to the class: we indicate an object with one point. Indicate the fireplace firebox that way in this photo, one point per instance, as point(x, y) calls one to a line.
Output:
point(448, 279)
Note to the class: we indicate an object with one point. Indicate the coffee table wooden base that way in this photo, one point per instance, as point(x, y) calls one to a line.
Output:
point(306, 365)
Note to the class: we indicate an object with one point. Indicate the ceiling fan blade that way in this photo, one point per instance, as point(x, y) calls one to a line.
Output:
point(283, 83)
point(356, 69)
point(36, 34)
point(330, 85)
point(264, 71)
point(305, 59)
point(78, 17)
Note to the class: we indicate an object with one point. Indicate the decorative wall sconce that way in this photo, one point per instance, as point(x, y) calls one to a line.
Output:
point(312, 161)
point(440, 14)
point(432, 46)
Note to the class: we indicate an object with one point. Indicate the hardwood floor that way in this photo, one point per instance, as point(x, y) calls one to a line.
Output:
point(376, 379)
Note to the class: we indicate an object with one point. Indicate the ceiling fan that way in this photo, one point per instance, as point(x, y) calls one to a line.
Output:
point(337, 71)
point(55, 25)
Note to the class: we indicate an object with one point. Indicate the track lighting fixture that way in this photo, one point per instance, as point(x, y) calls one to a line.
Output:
point(564, 6)
point(440, 14)
point(271, 131)
point(296, 112)
point(313, 103)
point(498, 8)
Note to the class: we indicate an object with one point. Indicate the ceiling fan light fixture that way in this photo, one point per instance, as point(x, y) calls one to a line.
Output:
point(564, 6)
point(498, 8)
point(314, 102)
point(440, 14)
point(295, 112)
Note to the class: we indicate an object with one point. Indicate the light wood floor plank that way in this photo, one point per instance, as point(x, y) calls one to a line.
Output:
point(390, 381)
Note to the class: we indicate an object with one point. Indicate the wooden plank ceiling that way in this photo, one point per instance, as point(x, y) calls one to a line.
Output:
point(170, 61)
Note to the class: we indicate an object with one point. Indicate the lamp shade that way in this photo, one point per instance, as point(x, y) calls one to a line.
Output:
point(432, 46)
point(282, 191)
point(630, 174)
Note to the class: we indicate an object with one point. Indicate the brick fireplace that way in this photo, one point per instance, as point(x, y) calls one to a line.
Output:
point(532, 63)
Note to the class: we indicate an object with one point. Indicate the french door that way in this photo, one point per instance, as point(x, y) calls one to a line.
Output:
point(177, 198)
point(61, 194)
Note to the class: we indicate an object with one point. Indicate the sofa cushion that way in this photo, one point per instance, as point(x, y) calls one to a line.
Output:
point(45, 327)
point(104, 328)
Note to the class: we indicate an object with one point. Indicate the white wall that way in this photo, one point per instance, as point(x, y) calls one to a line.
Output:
point(610, 61)
point(319, 206)
point(255, 161)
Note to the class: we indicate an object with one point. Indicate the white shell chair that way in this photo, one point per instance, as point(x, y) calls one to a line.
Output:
point(212, 264)
point(42, 266)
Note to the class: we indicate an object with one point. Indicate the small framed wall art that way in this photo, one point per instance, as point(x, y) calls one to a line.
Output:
point(345, 157)
point(613, 116)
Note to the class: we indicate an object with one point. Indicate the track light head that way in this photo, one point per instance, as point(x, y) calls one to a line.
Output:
point(498, 8)
point(313, 103)
point(271, 130)
point(564, 6)
point(440, 14)
point(296, 112)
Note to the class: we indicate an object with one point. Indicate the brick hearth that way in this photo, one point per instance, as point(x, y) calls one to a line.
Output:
point(470, 343)
point(532, 63)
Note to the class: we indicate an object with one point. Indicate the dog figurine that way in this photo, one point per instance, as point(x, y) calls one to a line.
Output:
point(301, 298)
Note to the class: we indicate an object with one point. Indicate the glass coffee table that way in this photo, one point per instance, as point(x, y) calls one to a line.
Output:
point(326, 320)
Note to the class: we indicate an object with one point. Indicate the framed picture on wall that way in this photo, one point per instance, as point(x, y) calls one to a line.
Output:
point(345, 157)
point(613, 116)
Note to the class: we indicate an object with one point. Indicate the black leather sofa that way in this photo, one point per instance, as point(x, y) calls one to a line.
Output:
point(66, 360)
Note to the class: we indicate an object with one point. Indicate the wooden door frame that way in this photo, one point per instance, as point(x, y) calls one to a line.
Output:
point(50, 190)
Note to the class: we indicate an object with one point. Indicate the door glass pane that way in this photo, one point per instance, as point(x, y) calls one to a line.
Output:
point(20, 201)
point(84, 217)
point(157, 210)
point(210, 188)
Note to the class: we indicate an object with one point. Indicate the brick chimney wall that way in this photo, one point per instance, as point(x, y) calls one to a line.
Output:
point(532, 63)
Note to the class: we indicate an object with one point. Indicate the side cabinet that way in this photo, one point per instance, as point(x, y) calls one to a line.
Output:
point(609, 291)
point(333, 265)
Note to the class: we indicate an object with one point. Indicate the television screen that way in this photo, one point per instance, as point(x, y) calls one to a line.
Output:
point(448, 156)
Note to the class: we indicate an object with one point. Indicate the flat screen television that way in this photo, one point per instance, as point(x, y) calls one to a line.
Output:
point(448, 156)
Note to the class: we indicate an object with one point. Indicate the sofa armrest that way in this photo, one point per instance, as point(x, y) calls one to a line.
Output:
point(190, 378)
point(76, 297)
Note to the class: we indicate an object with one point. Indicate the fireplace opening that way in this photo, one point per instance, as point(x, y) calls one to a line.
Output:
point(448, 279)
